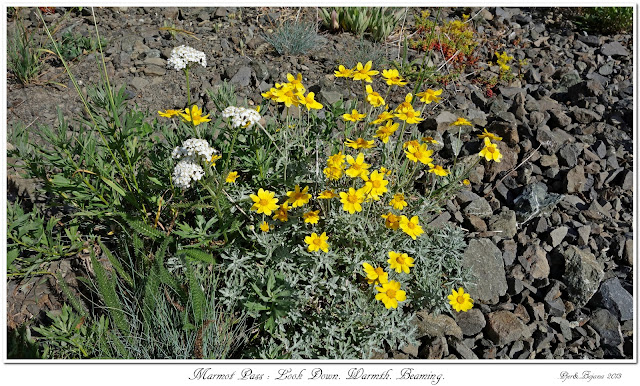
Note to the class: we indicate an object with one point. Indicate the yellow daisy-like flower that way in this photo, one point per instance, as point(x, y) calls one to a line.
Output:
point(489, 135)
point(401, 262)
point(282, 213)
point(406, 104)
point(385, 132)
point(352, 199)
point(398, 201)
point(466, 182)
point(375, 275)
point(271, 94)
point(169, 113)
point(264, 227)
point(311, 217)
point(310, 102)
point(264, 202)
point(231, 177)
point(360, 143)
point(327, 194)
point(298, 198)
point(461, 122)
point(296, 82)
point(430, 96)
point(376, 185)
point(358, 167)
point(355, 116)
point(336, 159)
point(409, 115)
point(383, 117)
point(288, 95)
point(391, 221)
point(490, 151)
point(411, 227)
point(333, 172)
point(194, 115)
point(373, 97)
point(439, 171)
point(390, 294)
point(419, 153)
point(364, 72)
point(317, 242)
point(343, 72)
point(392, 77)
point(429, 140)
point(214, 159)
point(460, 301)
point(413, 143)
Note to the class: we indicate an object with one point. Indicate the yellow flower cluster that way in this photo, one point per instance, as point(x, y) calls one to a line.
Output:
point(502, 61)
point(292, 93)
point(188, 115)
point(389, 293)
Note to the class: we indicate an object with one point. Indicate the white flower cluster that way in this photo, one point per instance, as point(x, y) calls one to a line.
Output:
point(191, 152)
point(241, 116)
point(181, 56)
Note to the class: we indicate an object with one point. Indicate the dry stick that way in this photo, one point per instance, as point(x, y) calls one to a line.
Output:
point(404, 19)
point(514, 169)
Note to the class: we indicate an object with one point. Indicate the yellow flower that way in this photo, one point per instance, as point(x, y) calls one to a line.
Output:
point(390, 294)
point(489, 135)
point(231, 177)
point(169, 113)
point(271, 94)
point(364, 72)
point(282, 213)
point(401, 262)
point(411, 227)
point(376, 185)
point(383, 116)
point(296, 82)
point(466, 182)
point(343, 72)
point(373, 97)
point(264, 227)
point(354, 116)
point(358, 167)
point(317, 242)
point(351, 200)
point(439, 171)
point(409, 115)
point(385, 132)
point(214, 159)
point(336, 160)
point(460, 301)
point(375, 275)
point(393, 77)
point(360, 143)
point(311, 217)
point(333, 172)
point(310, 102)
point(461, 122)
point(429, 140)
point(327, 194)
point(298, 198)
point(419, 153)
point(195, 115)
point(264, 202)
point(406, 104)
point(490, 151)
point(398, 201)
point(430, 96)
point(391, 221)
point(288, 95)
point(413, 143)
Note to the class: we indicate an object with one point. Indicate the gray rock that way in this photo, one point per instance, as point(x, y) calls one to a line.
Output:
point(548, 160)
point(444, 120)
point(585, 116)
point(435, 326)
point(242, 77)
point(582, 275)
point(576, 180)
point(465, 196)
point(471, 322)
point(559, 118)
point(480, 207)
point(484, 260)
point(613, 49)
point(155, 62)
point(139, 83)
point(504, 327)
point(564, 325)
point(557, 235)
point(155, 70)
point(608, 328)
point(330, 97)
point(534, 260)
point(462, 349)
point(590, 40)
point(606, 69)
point(476, 223)
point(616, 299)
point(568, 154)
point(504, 223)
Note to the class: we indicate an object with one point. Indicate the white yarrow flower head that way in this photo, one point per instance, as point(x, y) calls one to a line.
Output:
point(192, 152)
point(194, 148)
point(183, 55)
point(186, 170)
point(241, 116)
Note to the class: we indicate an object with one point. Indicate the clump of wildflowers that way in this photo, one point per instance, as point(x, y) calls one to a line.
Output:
point(183, 55)
point(241, 116)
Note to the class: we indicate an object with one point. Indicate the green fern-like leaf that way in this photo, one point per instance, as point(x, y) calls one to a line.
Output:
point(107, 290)
point(144, 229)
point(116, 264)
point(196, 254)
point(71, 297)
point(196, 294)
